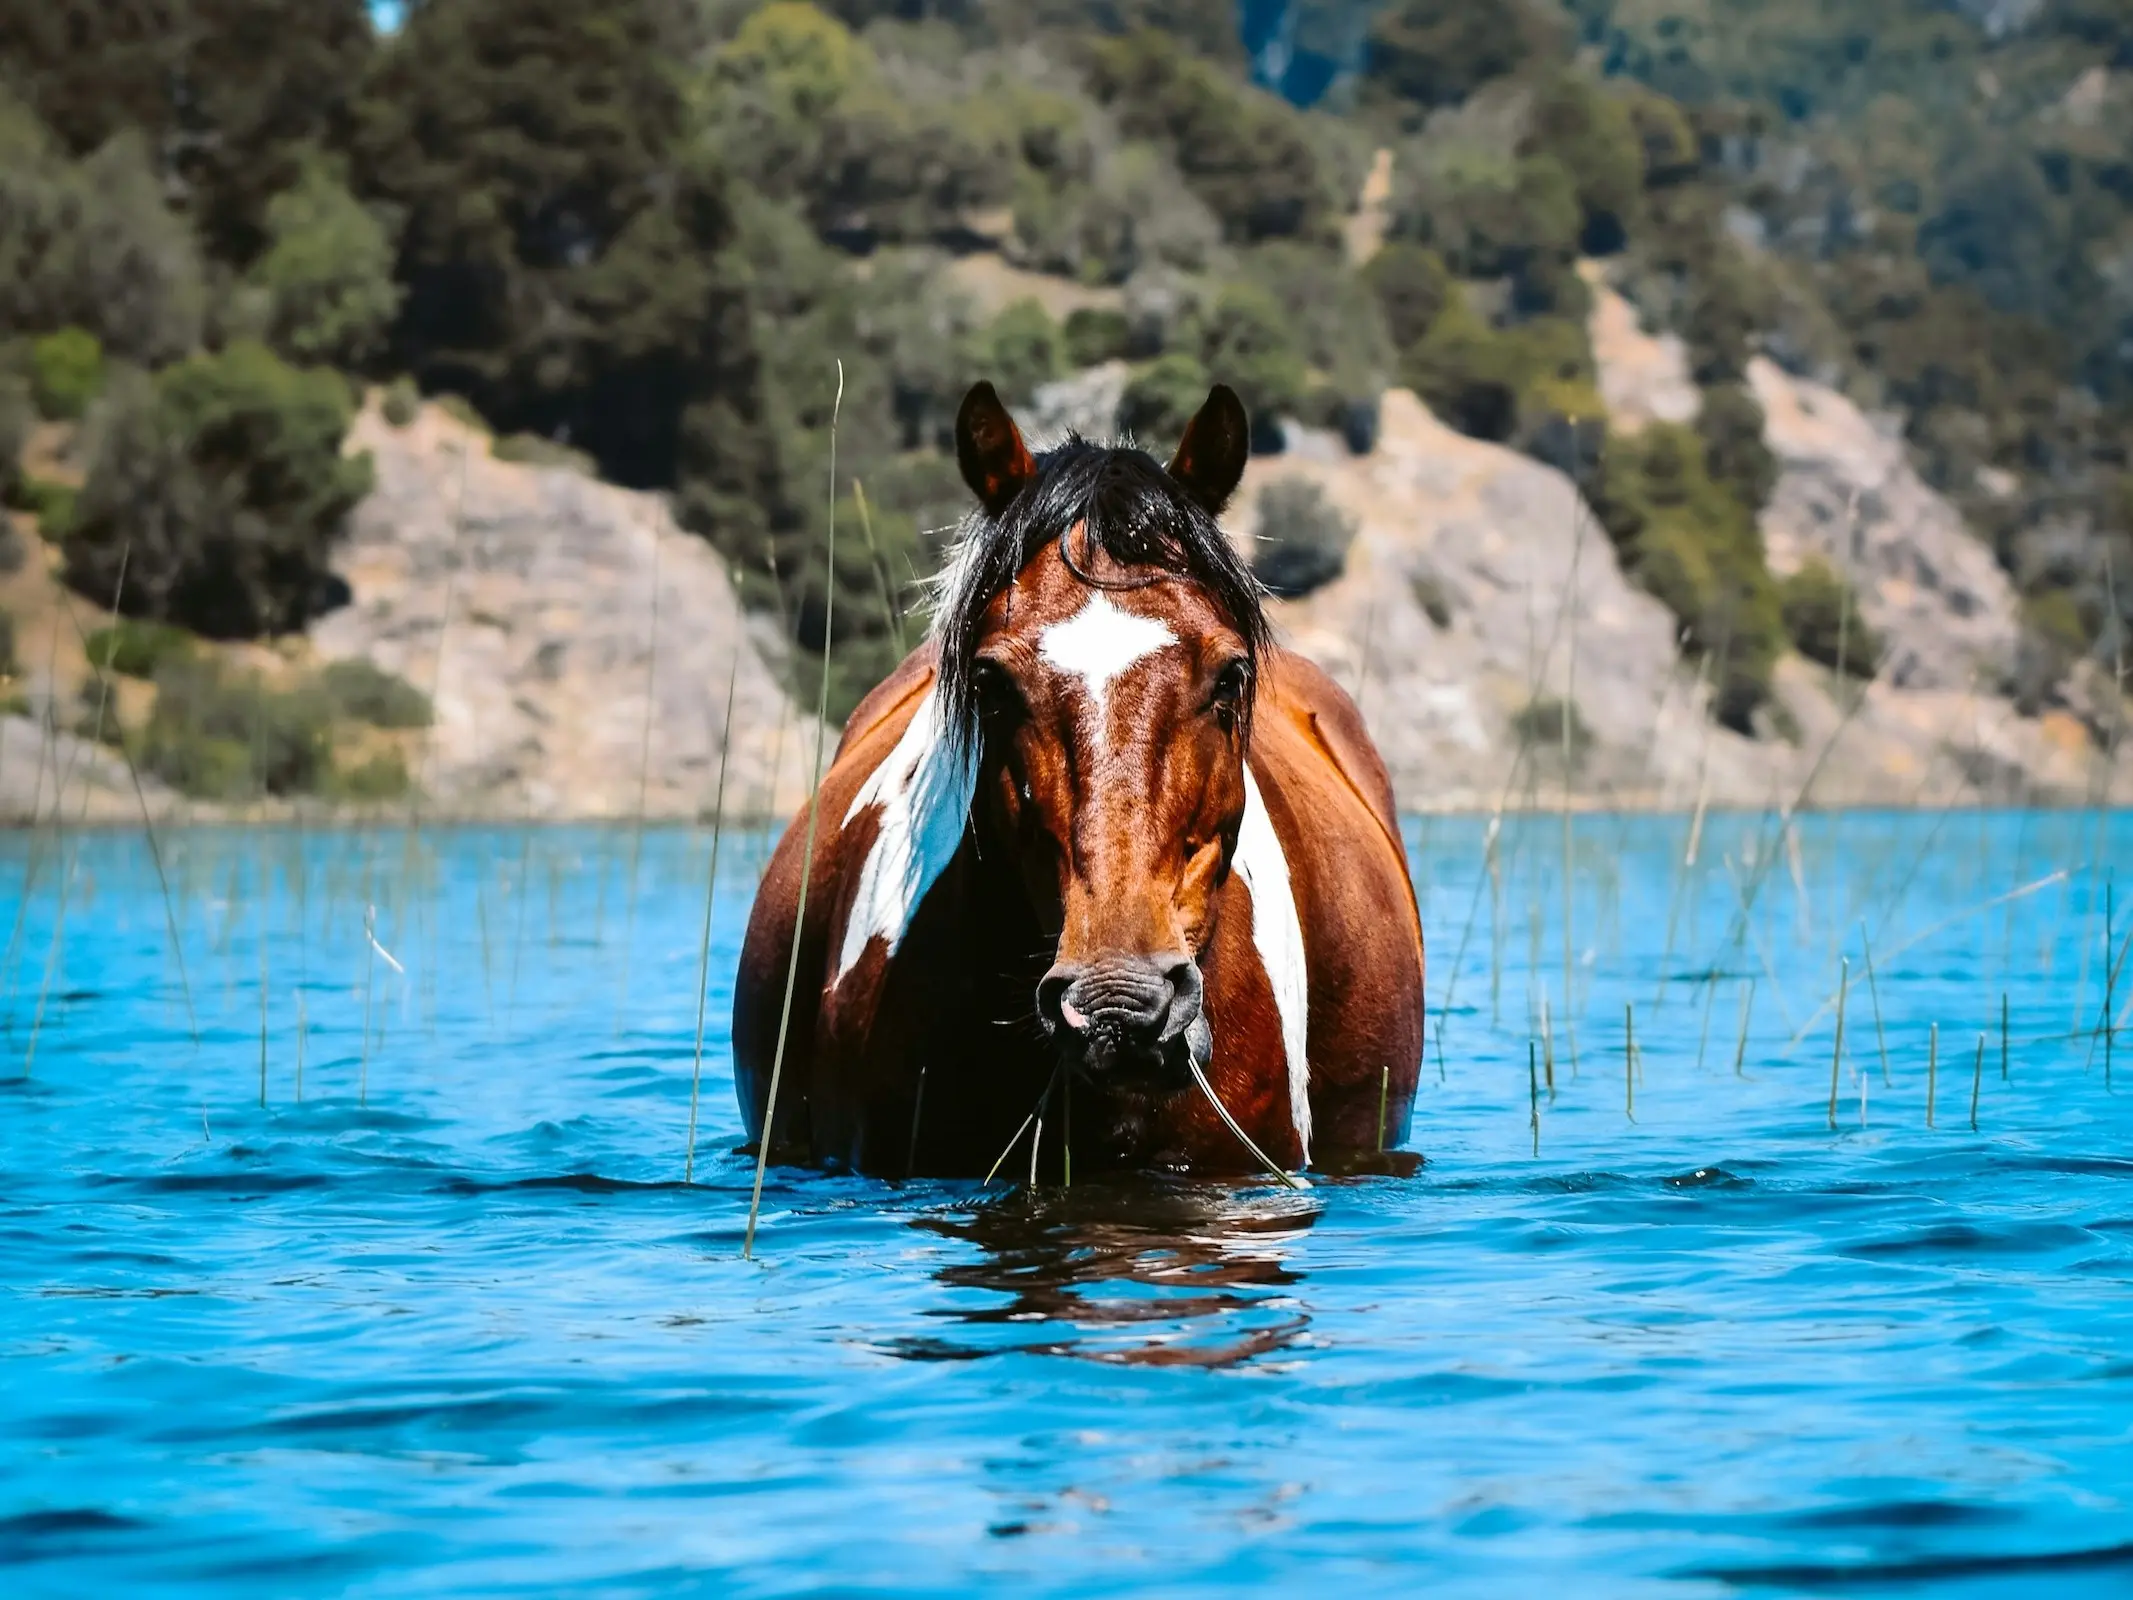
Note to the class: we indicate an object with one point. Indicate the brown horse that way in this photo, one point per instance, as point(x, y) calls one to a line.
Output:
point(1097, 864)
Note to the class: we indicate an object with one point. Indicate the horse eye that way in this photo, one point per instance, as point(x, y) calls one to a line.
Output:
point(998, 698)
point(1231, 683)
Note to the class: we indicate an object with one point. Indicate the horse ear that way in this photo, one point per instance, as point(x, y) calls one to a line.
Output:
point(1211, 456)
point(989, 449)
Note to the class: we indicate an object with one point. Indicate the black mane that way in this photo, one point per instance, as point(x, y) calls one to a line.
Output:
point(1137, 516)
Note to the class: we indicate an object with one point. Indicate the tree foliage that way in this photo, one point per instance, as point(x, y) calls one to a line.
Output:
point(216, 489)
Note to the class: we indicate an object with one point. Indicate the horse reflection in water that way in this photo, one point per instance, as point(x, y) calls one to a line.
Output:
point(1136, 1273)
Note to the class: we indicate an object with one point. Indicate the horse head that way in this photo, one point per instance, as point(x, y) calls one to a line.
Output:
point(1100, 646)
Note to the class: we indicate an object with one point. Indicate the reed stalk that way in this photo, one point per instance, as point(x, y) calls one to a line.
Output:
point(918, 1107)
point(1384, 1092)
point(1629, 1054)
point(703, 954)
point(1977, 1081)
point(807, 860)
point(1873, 989)
point(1533, 1099)
point(1836, 1054)
point(1932, 1070)
point(2003, 1036)
point(1287, 1179)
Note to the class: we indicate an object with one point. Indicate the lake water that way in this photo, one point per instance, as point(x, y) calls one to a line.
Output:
point(443, 1318)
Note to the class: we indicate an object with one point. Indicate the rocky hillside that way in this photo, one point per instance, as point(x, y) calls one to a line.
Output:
point(1480, 596)
point(576, 644)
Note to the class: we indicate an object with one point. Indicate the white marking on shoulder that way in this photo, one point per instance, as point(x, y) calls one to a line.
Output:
point(1099, 643)
point(1277, 934)
point(924, 793)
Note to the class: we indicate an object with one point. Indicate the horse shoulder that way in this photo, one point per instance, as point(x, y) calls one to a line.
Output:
point(892, 698)
point(1304, 696)
point(870, 735)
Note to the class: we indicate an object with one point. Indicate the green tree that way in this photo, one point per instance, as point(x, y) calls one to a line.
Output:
point(218, 487)
point(562, 253)
point(327, 273)
point(1682, 536)
point(66, 371)
point(91, 244)
point(230, 94)
point(1243, 152)
point(1437, 52)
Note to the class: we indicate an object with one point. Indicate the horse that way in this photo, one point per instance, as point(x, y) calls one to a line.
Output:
point(1099, 864)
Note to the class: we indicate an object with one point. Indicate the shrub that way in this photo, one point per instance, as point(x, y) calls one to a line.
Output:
point(1095, 335)
point(7, 645)
point(1246, 341)
point(1468, 373)
point(402, 402)
point(1413, 287)
point(17, 416)
point(1021, 349)
point(1544, 722)
point(1731, 427)
point(138, 649)
point(531, 450)
point(378, 777)
point(55, 505)
point(1160, 399)
point(220, 486)
point(328, 273)
point(363, 691)
point(1432, 596)
point(1692, 545)
point(1822, 619)
point(1302, 539)
point(66, 373)
point(2054, 636)
point(223, 736)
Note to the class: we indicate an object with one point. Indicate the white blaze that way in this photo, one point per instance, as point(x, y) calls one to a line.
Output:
point(924, 794)
point(1098, 644)
point(1277, 935)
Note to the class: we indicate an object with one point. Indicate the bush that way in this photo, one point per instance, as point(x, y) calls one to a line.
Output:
point(378, 777)
point(1692, 545)
point(221, 487)
point(1543, 723)
point(1467, 373)
point(1413, 287)
point(7, 645)
point(137, 649)
point(1822, 619)
point(66, 373)
point(1160, 399)
point(1095, 335)
point(363, 691)
point(402, 402)
point(17, 417)
point(55, 506)
point(1021, 349)
point(1302, 539)
point(531, 450)
point(328, 273)
point(2054, 636)
point(1247, 342)
point(220, 736)
point(1731, 427)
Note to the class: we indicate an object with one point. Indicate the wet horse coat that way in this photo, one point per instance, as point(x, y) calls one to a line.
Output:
point(1096, 828)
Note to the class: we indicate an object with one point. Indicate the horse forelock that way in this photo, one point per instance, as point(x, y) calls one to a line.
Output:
point(1135, 520)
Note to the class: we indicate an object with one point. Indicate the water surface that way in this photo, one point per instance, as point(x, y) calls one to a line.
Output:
point(448, 1321)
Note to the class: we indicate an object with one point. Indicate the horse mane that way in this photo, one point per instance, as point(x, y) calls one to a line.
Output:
point(1140, 521)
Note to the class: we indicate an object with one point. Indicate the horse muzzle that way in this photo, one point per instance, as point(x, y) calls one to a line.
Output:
point(1130, 1014)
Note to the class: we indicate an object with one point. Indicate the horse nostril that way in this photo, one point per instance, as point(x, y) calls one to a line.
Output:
point(1052, 1004)
point(1183, 976)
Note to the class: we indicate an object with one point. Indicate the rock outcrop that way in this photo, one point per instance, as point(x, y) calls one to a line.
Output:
point(577, 643)
point(1846, 492)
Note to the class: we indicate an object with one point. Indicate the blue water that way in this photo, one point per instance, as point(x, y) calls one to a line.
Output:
point(451, 1323)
